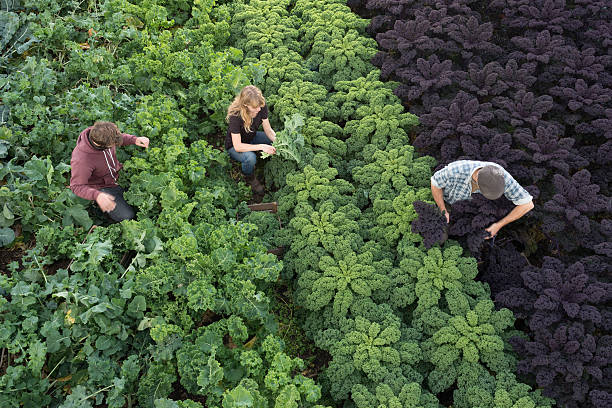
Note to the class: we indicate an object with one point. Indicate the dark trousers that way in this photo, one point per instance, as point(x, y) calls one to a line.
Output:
point(122, 211)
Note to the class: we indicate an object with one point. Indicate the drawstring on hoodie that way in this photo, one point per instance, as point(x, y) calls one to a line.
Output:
point(110, 168)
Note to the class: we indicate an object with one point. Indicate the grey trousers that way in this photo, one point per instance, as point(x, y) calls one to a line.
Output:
point(122, 211)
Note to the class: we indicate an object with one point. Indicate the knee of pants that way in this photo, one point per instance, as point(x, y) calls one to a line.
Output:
point(250, 158)
point(123, 213)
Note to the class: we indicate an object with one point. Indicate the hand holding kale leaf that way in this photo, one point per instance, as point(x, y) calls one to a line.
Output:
point(289, 141)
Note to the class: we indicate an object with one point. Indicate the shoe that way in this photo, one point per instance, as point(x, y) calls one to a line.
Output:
point(252, 181)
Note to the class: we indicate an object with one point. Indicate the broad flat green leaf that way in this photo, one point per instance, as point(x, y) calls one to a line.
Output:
point(38, 352)
point(4, 145)
point(238, 397)
point(77, 214)
point(138, 304)
point(115, 398)
point(7, 236)
point(54, 341)
point(36, 169)
point(165, 403)
point(104, 342)
point(77, 399)
point(145, 323)
point(7, 213)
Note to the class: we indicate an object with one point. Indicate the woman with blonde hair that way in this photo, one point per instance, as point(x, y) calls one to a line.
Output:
point(247, 112)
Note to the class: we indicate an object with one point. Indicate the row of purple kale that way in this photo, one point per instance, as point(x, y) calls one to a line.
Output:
point(526, 84)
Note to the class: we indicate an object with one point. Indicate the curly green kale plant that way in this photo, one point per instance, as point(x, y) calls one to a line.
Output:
point(341, 280)
point(410, 396)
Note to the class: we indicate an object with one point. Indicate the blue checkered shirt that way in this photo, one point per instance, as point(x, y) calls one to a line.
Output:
point(455, 181)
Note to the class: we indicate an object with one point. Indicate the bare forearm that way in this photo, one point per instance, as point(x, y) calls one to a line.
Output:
point(271, 134)
point(516, 213)
point(245, 147)
point(438, 196)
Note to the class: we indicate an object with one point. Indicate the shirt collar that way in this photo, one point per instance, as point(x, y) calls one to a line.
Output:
point(469, 180)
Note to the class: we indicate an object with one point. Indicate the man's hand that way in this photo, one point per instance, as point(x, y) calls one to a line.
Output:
point(142, 142)
point(268, 149)
point(493, 230)
point(106, 202)
point(447, 215)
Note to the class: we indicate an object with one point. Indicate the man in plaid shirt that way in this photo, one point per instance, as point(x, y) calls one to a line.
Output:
point(460, 179)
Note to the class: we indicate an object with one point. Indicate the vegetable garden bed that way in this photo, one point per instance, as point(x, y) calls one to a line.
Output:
point(186, 306)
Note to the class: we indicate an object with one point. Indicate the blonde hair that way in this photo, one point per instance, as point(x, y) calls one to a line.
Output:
point(249, 95)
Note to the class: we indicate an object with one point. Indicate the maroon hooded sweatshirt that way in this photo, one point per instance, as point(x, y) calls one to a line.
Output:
point(93, 169)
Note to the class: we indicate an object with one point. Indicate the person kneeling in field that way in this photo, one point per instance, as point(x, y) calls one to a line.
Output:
point(246, 113)
point(95, 168)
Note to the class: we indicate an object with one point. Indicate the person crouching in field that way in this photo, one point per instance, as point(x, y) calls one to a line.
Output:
point(95, 168)
point(246, 113)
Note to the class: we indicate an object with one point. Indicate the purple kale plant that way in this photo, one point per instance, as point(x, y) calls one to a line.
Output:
point(592, 99)
point(540, 47)
point(569, 209)
point(465, 116)
point(504, 267)
point(523, 109)
point(568, 363)
point(428, 76)
point(430, 224)
point(482, 81)
point(556, 293)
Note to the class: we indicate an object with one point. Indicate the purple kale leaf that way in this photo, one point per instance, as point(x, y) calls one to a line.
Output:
point(407, 35)
point(497, 149)
point(543, 15)
point(503, 270)
point(430, 224)
point(438, 18)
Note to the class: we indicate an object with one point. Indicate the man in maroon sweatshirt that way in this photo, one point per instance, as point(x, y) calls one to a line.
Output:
point(95, 168)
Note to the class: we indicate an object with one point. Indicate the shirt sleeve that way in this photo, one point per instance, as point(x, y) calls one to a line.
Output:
point(235, 123)
point(514, 191)
point(440, 178)
point(264, 112)
point(128, 139)
point(79, 177)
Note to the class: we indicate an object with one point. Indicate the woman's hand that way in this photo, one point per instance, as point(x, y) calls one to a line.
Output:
point(142, 142)
point(268, 149)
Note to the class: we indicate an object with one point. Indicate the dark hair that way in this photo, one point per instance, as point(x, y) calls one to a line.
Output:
point(105, 134)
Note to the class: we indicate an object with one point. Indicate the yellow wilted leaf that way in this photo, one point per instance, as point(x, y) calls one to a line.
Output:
point(84, 46)
point(69, 319)
point(249, 344)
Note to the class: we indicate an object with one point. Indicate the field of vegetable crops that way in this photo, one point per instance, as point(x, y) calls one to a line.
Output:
point(185, 306)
